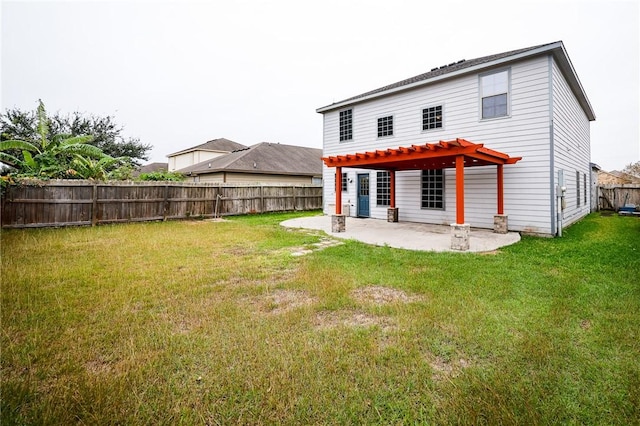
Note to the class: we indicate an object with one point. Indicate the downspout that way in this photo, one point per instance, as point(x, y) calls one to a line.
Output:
point(552, 174)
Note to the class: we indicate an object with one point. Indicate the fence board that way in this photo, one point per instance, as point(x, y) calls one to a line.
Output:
point(69, 203)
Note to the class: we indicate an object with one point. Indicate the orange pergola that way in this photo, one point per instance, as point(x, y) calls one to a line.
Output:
point(458, 154)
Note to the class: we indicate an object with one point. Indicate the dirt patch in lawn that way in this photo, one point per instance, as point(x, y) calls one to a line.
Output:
point(447, 368)
point(281, 301)
point(355, 319)
point(382, 295)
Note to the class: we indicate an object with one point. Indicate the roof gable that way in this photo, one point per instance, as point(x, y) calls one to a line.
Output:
point(217, 145)
point(476, 65)
point(264, 158)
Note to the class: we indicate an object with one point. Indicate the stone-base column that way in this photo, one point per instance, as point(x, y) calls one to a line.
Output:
point(460, 236)
point(500, 224)
point(392, 214)
point(338, 223)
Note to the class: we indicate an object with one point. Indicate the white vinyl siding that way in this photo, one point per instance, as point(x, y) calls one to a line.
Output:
point(571, 145)
point(525, 132)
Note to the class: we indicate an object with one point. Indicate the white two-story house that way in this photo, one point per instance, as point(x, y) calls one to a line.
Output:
point(411, 148)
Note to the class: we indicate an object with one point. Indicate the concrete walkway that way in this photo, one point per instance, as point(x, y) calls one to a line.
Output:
point(405, 235)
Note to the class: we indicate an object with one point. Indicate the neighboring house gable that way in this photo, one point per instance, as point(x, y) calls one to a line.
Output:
point(261, 163)
point(208, 150)
point(613, 178)
point(526, 103)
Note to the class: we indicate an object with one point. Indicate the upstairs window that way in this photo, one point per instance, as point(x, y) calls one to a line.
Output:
point(385, 126)
point(383, 189)
point(432, 118)
point(346, 125)
point(495, 94)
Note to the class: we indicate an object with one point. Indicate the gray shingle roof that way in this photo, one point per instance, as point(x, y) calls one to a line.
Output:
point(220, 145)
point(151, 167)
point(446, 69)
point(472, 65)
point(264, 158)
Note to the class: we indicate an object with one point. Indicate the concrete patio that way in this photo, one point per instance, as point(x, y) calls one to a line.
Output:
point(405, 235)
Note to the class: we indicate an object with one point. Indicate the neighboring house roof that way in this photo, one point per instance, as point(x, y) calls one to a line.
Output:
point(614, 177)
point(264, 158)
point(216, 145)
point(153, 167)
point(150, 168)
point(458, 68)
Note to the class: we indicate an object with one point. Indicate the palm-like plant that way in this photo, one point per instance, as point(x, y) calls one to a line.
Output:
point(51, 157)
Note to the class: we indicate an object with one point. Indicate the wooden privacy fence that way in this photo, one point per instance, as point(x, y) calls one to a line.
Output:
point(69, 203)
point(612, 197)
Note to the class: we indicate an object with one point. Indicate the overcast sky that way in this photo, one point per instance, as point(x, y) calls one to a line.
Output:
point(176, 74)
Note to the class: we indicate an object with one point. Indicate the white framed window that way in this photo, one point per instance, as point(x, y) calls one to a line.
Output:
point(345, 185)
point(494, 92)
point(432, 189)
point(383, 189)
point(432, 118)
point(346, 125)
point(385, 126)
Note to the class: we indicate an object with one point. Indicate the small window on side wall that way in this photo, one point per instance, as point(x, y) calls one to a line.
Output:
point(345, 185)
point(494, 90)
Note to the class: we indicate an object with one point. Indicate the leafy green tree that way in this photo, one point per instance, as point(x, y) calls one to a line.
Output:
point(46, 156)
point(21, 125)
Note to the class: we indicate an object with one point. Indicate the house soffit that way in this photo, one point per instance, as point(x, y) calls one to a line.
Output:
point(440, 155)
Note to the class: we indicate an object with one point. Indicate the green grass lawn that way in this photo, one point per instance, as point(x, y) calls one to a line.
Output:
point(203, 322)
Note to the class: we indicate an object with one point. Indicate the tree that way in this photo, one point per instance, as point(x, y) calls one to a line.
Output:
point(107, 135)
point(47, 156)
point(162, 176)
point(632, 169)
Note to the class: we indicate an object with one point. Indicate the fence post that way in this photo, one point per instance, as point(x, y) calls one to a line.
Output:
point(295, 206)
point(94, 206)
point(165, 208)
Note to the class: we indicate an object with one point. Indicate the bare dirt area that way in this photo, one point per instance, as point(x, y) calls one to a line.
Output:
point(382, 295)
point(444, 368)
point(280, 301)
point(356, 319)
